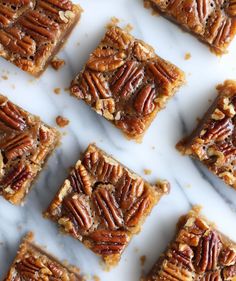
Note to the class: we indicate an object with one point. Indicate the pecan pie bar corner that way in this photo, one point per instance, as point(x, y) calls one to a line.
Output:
point(103, 204)
point(198, 252)
point(33, 263)
point(212, 21)
point(126, 82)
point(213, 142)
point(33, 31)
point(25, 144)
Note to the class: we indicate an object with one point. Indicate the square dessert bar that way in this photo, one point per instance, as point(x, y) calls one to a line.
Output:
point(33, 31)
point(126, 82)
point(213, 141)
point(25, 144)
point(198, 252)
point(33, 263)
point(103, 204)
point(212, 21)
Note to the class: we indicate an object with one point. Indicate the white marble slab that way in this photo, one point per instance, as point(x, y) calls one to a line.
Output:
point(191, 182)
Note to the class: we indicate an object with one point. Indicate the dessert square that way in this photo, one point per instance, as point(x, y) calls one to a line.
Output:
point(32, 32)
point(103, 204)
point(25, 144)
point(126, 82)
point(33, 263)
point(198, 252)
point(213, 141)
point(212, 21)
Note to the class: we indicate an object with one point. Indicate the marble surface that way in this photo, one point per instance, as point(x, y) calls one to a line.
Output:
point(191, 182)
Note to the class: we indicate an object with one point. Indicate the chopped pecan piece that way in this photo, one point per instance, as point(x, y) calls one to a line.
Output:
point(79, 210)
point(109, 242)
point(105, 60)
point(107, 208)
point(106, 215)
point(127, 75)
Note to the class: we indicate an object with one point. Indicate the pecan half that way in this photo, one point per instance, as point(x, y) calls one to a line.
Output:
point(107, 208)
point(181, 254)
point(231, 8)
point(16, 146)
point(106, 169)
point(115, 37)
point(105, 60)
point(207, 252)
point(163, 75)
point(144, 101)
point(78, 208)
point(29, 268)
point(11, 117)
point(53, 6)
point(202, 8)
point(228, 256)
point(16, 177)
point(80, 180)
point(211, 276)
point(109, 242)
point(40, 27)
point(229, 273)
point(218, 131)
point(137, 210)
point(170, 271)
point(131, 125)
point(17, 42)
point(128, 190)
point(127, 79)
point(93, 86)
point(90, 160)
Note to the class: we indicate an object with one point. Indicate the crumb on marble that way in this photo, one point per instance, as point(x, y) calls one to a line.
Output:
point(136, 249)
point(62, 121)
point(96, 278)
point(187, 56)
point(57, 63)
point(57, 91)
point(4, 77)
point(143, 259)
point(147, 171)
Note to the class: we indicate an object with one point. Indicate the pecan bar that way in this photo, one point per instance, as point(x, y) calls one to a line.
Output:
point(212, 21)
point(25, 143)
point(198, 252)
point(213, 141)
point(33, 31)
point(126, 82)
point(33, 263)
point(103, 204)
